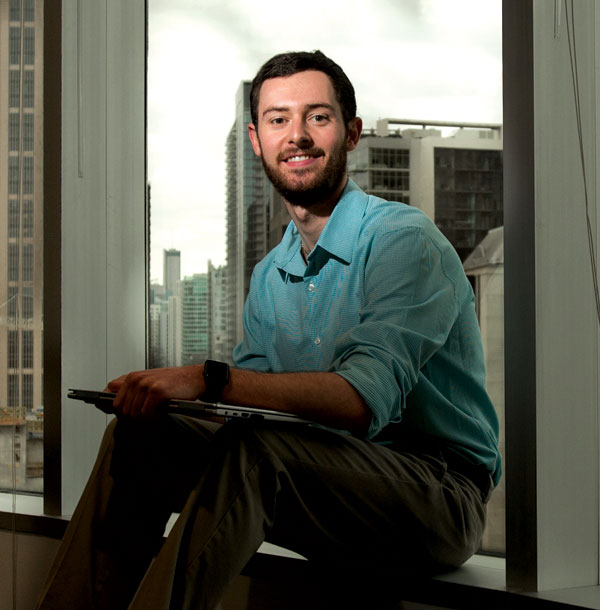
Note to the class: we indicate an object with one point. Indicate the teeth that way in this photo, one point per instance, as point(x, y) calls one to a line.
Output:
point(299, 158)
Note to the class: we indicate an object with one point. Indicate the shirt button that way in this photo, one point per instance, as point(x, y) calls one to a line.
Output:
point(318, 341)
point(311, 287)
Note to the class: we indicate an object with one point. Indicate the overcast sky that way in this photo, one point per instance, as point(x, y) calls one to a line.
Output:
point(420, 59)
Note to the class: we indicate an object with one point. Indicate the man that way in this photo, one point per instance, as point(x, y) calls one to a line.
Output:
point(361, 320)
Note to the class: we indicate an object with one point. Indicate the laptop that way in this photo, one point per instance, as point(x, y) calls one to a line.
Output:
point(194, 408)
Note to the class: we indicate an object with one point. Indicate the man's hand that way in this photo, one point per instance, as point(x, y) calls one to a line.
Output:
point(142, 392)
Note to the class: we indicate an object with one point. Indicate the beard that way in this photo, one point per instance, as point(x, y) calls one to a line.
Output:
point(316, 187)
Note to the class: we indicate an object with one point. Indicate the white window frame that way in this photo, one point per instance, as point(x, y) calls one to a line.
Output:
point(95, 229)
point(552, 339)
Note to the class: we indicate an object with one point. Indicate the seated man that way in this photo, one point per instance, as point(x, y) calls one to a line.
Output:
point(361, 320)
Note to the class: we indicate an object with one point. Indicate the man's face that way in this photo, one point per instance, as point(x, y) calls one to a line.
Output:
point(301, 137)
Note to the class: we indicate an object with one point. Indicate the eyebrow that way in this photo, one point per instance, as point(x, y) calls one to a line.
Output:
point(307, 107)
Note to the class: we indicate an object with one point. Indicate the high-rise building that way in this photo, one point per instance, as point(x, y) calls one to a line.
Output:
point(21, 208)
point(247, 212)
point(485, 268)
point(173, 330)
point(456, 179)
point(154, 336)
point(195, 319)
point(218, 335)
point(279, 217)
point(171, 271)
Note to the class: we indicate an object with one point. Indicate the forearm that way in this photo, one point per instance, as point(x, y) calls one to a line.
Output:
point(325, 398)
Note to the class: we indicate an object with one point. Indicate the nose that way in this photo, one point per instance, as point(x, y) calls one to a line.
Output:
point(299, 135)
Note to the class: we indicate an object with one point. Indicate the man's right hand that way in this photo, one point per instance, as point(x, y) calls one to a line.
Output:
point(143, 392)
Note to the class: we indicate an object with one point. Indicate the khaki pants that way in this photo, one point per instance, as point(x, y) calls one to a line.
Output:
point(333, 498)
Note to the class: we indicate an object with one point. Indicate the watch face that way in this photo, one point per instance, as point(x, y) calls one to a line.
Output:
point(216, 371)
point(216, 377)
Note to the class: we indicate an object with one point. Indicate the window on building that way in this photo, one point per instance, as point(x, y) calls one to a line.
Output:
point(13, 175)
point(12, 394)
point(27, 391)
point(28, 133)
point(28, 88)
point(14, 45)
point(29, 10)
point(28, 175)
point(27, 262)
point(27, 219)
point(13, 218)
point(13, 262)
point(13, 131)
point(12, 303)
point(27, 349)
point(27, 302)
point(14, 88)
point(29, 46)
point(12, 349)
point(15, 10)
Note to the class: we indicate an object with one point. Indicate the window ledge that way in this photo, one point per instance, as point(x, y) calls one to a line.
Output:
point(479, 583)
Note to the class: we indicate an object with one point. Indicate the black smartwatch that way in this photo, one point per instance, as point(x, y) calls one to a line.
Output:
point(216, 377)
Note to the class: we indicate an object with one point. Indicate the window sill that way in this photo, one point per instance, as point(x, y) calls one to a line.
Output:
point(479, 583)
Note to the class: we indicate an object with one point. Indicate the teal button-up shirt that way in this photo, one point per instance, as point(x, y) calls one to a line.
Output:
point(383, 302)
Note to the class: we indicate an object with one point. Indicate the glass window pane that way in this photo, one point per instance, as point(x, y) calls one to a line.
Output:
point(29, 10)
point(12, 303)
point(13, 175)
point(13, 218)
point(27, 302)
point(28, 89)
point(28, 175)
point(27, 395)
point(14, 84)
point(29, 46)
point(28, 218)
point(13, 262)
point(28, 262)
point(13, 131)
point(21, 320)
point(28, 119)
point(12, 397)
point(447, 45)
point(15, 45)
point(15, 10)
point(12, 349)
point(27, 349)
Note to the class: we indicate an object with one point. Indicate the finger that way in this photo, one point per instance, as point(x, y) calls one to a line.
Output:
point(126, 393)
point(115, 384)
point(154, 399)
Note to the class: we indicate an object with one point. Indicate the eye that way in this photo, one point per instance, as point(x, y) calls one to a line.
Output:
point(277, 120)
point(319, 118)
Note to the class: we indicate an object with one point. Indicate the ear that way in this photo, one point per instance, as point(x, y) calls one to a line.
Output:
point(354, 131)
point(253, 134)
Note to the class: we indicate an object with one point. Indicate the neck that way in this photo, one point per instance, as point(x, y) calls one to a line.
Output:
point(311, 221)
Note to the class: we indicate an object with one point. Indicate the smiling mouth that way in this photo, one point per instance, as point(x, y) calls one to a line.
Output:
point(299, 157)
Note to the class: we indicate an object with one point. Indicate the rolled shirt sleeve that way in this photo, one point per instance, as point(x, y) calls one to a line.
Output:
point(409, 309)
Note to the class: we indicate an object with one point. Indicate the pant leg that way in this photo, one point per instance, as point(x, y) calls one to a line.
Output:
point(144, 471)
point(332, 498)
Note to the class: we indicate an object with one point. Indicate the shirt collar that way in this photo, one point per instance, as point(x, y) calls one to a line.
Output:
point(337, 240)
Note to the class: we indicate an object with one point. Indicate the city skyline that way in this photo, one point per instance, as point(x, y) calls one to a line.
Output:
point(454, 73)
